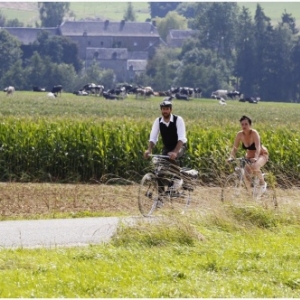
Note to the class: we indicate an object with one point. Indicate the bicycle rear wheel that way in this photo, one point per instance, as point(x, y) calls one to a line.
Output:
point(267, 199)
point(233, 190)
point(148, 195)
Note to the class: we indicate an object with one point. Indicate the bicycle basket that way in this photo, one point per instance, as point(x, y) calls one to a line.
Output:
point(190, 172)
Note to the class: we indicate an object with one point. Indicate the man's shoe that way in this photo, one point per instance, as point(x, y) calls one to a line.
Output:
point(159, 204)
point(263, 188)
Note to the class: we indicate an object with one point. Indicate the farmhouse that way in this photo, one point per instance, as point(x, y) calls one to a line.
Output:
point(114, 45)
point(176, 37)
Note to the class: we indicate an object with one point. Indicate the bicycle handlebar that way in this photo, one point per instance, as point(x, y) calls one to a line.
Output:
point(247, 160)
point(159, 155)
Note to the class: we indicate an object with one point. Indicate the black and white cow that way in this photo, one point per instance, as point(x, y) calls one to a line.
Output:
point(179, 96)
point(57, 89)
point(38, 89)
point(9, 90)
point(234, 94)
point(93, 88)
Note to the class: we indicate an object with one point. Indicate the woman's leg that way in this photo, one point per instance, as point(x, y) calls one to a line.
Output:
point(247, 177)
point(261, 161)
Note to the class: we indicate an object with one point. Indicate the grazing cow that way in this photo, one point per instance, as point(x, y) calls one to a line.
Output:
point(198, 92)
point(164, 94)
point(222, 101)
point(81, 93)
point(57, 89)
point(234, 94)
point(9, 90)
point(143, 92)
point(38, 89)
point(127, 87)
point(118, 91)
point(181, 97)
point(253, 100)
point(219, 93)
point(92, 88)
point(110, 96)
point(51, 95)
point(183, 91)
point(170, 98)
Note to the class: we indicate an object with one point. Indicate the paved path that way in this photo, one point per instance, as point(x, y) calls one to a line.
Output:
point(58, 232)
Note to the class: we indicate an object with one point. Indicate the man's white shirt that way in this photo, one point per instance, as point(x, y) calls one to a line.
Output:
point(180, 129)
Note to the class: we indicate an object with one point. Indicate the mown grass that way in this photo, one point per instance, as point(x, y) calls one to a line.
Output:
point(229, 254)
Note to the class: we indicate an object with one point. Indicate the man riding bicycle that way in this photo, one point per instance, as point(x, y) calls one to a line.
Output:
point(172, 130)
point(173, 133)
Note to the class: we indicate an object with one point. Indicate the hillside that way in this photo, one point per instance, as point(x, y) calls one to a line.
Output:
point(27, 12)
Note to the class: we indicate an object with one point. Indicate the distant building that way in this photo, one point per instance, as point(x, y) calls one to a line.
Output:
point(176, 37)
point(124, 47)
point(134, 36)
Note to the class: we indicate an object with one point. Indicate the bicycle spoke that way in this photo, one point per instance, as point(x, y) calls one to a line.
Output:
point(148, 195)
point(234, 190)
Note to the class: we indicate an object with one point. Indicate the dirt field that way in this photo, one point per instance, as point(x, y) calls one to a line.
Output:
point(26, 200)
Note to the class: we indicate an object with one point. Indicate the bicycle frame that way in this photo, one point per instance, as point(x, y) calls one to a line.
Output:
point(153, 191)
point(240, 172)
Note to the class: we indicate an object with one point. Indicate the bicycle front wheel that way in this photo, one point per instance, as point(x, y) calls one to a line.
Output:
point(233, 190)
point(148, 195)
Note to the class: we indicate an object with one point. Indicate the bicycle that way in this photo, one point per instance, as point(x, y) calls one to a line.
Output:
point(166, 185)
point(235, 189)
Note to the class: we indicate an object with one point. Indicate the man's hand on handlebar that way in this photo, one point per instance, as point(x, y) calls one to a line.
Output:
point(172, 155)
point(146, 153)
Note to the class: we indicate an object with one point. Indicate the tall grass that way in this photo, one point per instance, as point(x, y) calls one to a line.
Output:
point(71, 139)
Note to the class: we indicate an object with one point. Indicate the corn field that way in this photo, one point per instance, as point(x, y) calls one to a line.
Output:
point(41, 149)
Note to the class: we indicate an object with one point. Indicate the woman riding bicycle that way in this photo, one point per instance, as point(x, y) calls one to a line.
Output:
point(255, 152)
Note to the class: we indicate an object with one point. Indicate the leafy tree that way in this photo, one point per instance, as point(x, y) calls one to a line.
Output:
point(187, 9)
point(2, 19)
point(160, 9)
point(94, 73)
point(288, 19)
point(10, 51)
point(218, 27)
point(16, 76)
point(279, 65)
point(60, 49)
point(14, 23)
point(172, 21)
point(245, 54)
point(162, 68)
point(52, 13)
point(294, 83)
point(203, 68)
point(263, 33)
point(37, 71)
point(129, 14)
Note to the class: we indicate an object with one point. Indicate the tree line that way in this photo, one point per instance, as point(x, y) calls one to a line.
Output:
point(231, 50)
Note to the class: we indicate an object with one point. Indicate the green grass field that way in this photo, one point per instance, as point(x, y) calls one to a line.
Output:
point(234, 252)
point(28, 12)
point(214, 250)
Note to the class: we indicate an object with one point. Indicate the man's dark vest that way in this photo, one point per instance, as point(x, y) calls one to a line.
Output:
point(169, 133)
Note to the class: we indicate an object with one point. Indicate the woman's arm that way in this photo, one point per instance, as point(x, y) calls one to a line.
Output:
point(235, 145)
